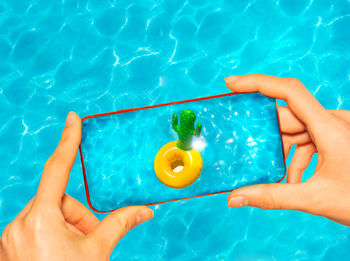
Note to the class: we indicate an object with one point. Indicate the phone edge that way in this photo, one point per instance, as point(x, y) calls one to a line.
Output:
point(161, 105)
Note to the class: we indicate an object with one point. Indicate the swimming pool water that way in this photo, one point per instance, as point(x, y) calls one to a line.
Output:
point(95, 56)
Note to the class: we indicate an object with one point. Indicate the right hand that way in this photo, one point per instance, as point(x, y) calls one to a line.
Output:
point(313, 129)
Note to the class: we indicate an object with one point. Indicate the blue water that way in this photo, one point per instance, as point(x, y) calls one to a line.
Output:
point(97, 56)
point(240, 145)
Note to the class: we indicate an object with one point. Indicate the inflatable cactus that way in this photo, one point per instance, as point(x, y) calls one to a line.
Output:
point(186, 129)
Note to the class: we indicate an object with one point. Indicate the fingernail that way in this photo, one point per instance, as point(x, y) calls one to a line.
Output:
point(144, 215)
point(70, 119)
point(231, 79)
point(237, 202)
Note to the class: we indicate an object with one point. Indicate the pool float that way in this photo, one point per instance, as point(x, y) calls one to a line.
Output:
point(176, 164)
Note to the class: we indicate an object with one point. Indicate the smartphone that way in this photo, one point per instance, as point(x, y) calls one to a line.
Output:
point(136, 156)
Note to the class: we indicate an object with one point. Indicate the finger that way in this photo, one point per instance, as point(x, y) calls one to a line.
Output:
point(74, 229)
point(272, 196)
point(78, 215)
point(289, 122)
point(319, 162)
point(56, 172)
point(296, 139)
point(287, 145)
point(298, 98)
point(300, 161)
point(117, 224)
point(299, 139)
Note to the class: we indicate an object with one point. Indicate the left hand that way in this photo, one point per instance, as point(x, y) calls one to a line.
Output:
point(55, 226)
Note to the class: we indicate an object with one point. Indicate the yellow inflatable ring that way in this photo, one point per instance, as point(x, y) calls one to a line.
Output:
point(170, 156)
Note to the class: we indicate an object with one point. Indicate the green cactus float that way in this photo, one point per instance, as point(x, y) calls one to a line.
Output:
point(186, 129)
point(180, 154)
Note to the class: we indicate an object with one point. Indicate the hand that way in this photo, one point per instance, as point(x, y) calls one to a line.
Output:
point(314, 130)
point(54, 226)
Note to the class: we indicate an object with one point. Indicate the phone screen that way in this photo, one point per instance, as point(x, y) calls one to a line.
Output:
point(239, 144)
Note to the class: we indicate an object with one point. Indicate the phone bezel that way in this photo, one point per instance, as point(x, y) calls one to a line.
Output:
point(161, 105)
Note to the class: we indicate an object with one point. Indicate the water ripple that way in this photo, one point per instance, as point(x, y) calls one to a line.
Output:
point(84, 55)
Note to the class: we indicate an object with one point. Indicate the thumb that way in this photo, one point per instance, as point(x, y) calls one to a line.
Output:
point(114, 227)
point(271, 196)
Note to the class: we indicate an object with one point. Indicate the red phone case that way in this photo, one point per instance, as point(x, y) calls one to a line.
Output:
point(160, 105)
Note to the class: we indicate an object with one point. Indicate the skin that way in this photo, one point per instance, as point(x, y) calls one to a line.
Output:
point(54, 226)
point(313, 129)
